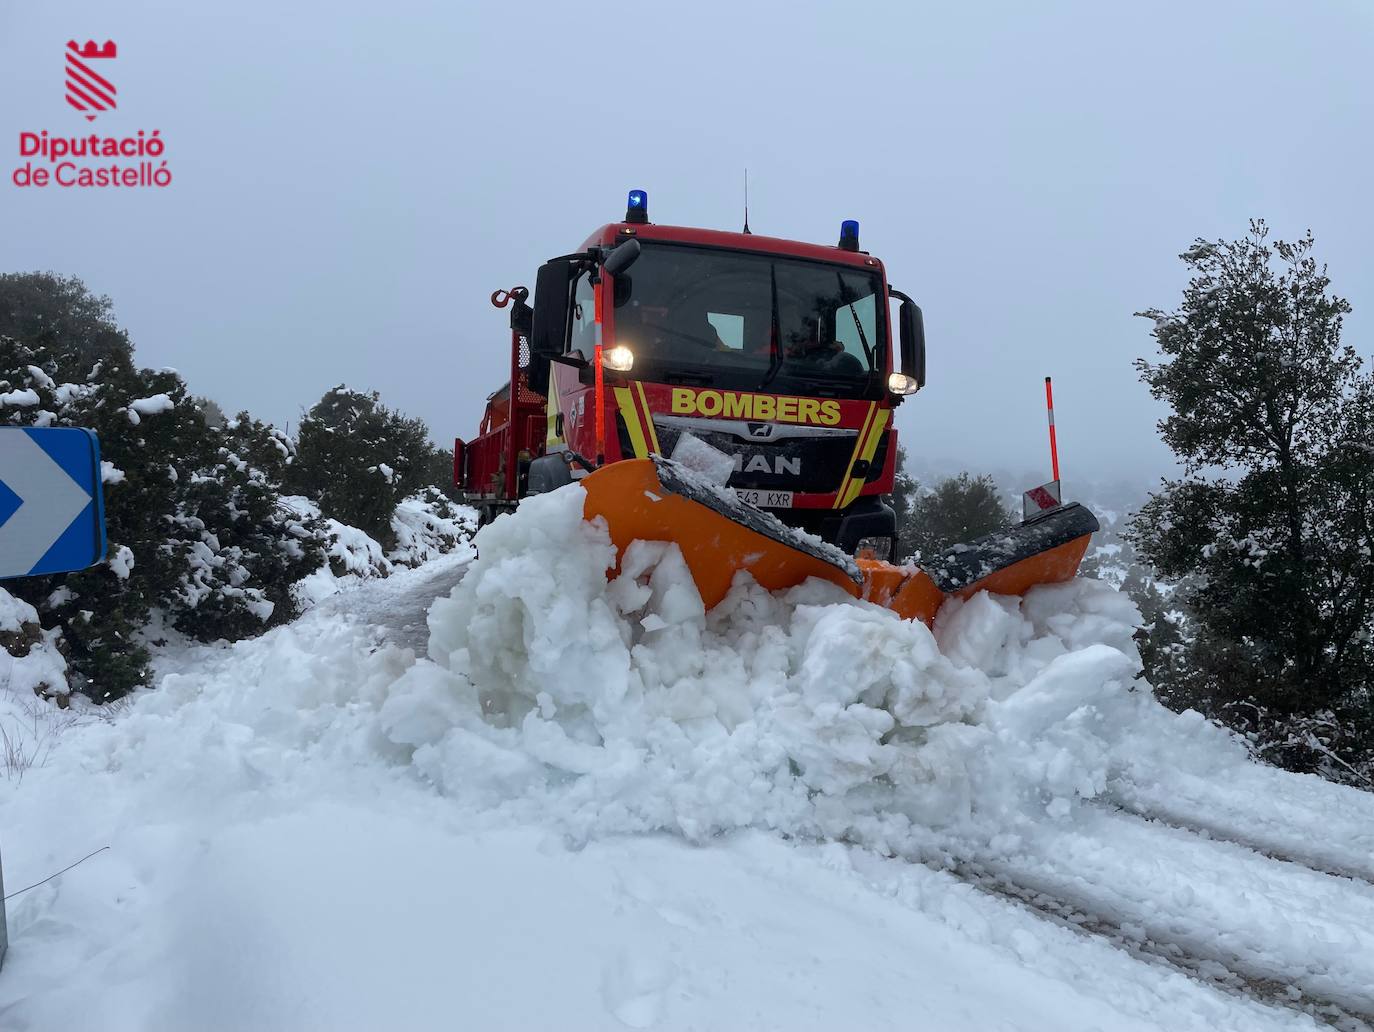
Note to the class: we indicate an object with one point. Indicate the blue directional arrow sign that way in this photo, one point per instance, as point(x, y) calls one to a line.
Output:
point(52, 516)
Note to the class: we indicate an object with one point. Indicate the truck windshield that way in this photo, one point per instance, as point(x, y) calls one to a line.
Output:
point(752, 321)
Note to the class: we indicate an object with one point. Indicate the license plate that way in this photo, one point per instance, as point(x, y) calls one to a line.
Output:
point(767, 499)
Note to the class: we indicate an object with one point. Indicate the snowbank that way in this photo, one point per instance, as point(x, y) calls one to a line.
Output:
point(619, 706)
point(280, 856)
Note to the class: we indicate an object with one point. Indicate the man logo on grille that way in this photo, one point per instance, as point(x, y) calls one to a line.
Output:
point(87, 90)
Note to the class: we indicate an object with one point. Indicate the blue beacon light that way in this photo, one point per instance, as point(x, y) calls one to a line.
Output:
point(637, 207)
point(849, 235)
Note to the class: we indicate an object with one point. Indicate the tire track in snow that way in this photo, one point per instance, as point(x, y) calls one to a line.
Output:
point(1284, 853)
point(1147, 946)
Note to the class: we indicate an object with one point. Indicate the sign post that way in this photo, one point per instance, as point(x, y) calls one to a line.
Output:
point(1046, 497)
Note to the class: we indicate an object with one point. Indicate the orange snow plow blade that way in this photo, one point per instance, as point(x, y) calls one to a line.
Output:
point(645, 500)
point(719, 535)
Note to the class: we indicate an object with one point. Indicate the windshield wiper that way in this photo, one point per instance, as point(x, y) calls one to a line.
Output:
point(774, 343)
point(858, 323)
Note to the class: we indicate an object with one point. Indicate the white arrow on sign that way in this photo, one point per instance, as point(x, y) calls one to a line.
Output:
point(50, 501)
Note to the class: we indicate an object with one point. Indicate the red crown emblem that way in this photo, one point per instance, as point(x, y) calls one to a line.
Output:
point(87, 90)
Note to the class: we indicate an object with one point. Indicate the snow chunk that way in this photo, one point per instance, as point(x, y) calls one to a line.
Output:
point(26, 398)
point(122, 562)
point(110, 473)
point(700, 457)
point(153, 406)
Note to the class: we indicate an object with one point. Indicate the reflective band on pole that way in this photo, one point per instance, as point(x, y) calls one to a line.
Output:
point(1054, 447)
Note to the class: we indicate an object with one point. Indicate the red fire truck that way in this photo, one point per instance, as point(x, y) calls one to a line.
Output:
point(778, 353)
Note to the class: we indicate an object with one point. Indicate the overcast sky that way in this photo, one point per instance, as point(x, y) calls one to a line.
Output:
point(352, 182)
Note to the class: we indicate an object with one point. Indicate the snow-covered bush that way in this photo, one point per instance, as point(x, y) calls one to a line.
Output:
point(30, 663)
point(199, 530)
point(191, 511)
point(427, 525)
point(240, 549)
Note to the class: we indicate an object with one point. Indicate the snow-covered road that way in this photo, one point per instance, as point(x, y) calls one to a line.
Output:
point(793, 813)
point(397, 606)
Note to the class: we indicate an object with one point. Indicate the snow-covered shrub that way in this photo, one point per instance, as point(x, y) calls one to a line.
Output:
point(191, 511)
point(240, 549)
point(427, 525)
point(30, 663)
point(349, 554)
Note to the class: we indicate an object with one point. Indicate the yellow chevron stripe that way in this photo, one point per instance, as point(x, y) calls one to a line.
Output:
point(648, 418)
point(870, 448)
point(858, 447)
point(625, 401)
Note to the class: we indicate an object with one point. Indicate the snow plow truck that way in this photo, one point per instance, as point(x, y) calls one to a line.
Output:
point(734, 393)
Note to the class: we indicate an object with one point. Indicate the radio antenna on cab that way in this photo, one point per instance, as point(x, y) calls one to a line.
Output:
point(746, 200)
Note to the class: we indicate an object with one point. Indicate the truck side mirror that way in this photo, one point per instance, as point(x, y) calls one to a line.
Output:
point(622, 257)
point(549, 330)
point(913, 333)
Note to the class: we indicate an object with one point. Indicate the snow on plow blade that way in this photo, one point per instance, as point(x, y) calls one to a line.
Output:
point(1045, 550)
point(659, 500)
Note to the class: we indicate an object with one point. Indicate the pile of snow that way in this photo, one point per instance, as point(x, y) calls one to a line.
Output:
point(622, 706)
point(368, 838)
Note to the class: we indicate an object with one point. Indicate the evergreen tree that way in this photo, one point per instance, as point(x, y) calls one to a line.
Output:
point(58, 314)
point(1273, 423)
point(358, 459)
point(959, 509)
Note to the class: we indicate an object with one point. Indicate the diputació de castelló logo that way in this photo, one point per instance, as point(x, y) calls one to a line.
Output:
point(55, 159)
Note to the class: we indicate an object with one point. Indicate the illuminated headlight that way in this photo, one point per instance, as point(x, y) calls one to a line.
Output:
point(900, 383)
point(620, 358)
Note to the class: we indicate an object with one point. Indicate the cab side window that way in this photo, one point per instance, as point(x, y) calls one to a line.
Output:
point(583, 338)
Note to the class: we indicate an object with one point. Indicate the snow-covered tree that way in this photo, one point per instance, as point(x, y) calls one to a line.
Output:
point(1273, 422)
point(192, 516)
point(957, 509)
point(358, 459)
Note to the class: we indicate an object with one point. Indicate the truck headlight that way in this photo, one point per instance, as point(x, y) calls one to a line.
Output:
point(620, 358)
point(900, 383)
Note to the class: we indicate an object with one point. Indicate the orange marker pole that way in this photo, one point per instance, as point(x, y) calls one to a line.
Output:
point(1054, 448)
